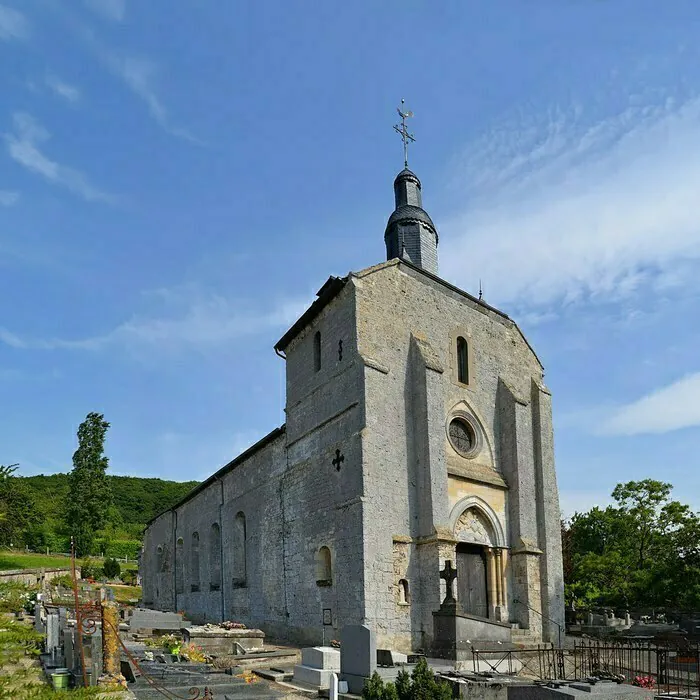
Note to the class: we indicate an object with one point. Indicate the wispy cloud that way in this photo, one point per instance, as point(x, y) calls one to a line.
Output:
point(8, 198)
point(13, 24)
point(669, 408)
point(204, 323)
point(139, 74)
point(113, 10)
point(564, 211)
point(62, 89)
point(23, 147)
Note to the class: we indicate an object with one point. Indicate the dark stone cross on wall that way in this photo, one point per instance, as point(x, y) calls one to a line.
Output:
point(339, 459)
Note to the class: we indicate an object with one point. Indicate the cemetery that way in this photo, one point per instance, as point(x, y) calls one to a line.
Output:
point(80, 637)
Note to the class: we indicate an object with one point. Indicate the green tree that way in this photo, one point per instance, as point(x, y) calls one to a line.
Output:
point(89, 496)
point(17, 509)
point(425, 686)
point(403, 685)
point(644, 551)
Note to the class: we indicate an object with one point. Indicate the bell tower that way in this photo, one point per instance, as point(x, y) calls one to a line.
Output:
point(410, 233)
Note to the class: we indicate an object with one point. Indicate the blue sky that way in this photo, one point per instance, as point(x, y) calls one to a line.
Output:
point(177, 179)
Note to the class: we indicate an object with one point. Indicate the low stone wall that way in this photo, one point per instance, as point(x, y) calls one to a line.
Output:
point(32, 577)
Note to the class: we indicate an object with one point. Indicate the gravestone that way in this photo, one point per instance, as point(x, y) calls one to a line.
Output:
point(95, 665)
point(391, 658)
point(317, 665)
point(39, 624)
point(358, 656)
point(52, 635)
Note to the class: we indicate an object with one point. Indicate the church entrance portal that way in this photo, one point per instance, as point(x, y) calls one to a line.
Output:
point(471, 579)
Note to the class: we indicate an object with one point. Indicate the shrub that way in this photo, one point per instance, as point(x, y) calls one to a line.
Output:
point(373, 688)
point(15, 597)
point(64, 581)
point(111, 568)
point(403, 685)
point(128, 577)
point(89, 569)
point(425, 686)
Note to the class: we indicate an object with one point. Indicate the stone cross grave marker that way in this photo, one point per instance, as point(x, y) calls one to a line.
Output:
point(448, 574)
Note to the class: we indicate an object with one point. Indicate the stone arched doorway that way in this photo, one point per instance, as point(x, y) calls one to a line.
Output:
point(479, 557)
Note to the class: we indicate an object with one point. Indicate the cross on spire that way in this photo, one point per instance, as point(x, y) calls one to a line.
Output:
point(403, 131)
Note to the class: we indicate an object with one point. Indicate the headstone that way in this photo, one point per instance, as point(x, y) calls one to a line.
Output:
point(390, 658)
point(358, 656)
point(52, 632)
point(317, 665)
point(69, 648)
point(95, 657)
point(39, 624)
point(628, 618)
point(128, 671)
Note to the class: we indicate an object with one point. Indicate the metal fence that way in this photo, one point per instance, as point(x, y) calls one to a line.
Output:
point(667, 667)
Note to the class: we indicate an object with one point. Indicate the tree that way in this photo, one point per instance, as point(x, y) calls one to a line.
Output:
point(17, 510)
point(642, 552)
point(89, 496)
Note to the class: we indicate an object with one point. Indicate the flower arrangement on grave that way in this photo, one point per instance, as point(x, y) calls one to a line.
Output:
point(230, 625)
point(248, 677)
point(335, 643)
point(644, 682)
point(194, 653)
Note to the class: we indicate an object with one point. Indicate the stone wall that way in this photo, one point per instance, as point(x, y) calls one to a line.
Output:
point(33, 577)
point(293, 500)
point(407, 325)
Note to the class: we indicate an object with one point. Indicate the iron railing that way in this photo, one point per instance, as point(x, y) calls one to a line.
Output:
point(669, 667)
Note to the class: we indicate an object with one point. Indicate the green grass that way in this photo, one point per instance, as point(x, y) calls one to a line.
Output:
point(22, 560)
point(125, 594)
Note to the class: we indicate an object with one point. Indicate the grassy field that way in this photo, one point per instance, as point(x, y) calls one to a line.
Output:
point(22, 560)
point(126, 595)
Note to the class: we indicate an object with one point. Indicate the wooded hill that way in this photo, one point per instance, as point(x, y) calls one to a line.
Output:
point(135, 501)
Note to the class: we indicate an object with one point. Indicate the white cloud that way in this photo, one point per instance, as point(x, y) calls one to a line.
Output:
point(8, 198)
point(13, 24)
point(205, 322)
point(113, 10)
point(62, 89)
point(669, 408)
point(562, 212)
point(23, 147)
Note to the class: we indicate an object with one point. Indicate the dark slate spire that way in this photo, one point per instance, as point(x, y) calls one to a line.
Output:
point(410, 233)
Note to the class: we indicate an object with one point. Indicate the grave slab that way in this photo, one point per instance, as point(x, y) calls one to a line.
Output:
point(219, 641)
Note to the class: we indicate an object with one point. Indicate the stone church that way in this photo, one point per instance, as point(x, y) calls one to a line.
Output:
point(418, 431)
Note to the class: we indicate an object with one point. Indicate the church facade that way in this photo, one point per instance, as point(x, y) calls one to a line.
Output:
point(418, 431)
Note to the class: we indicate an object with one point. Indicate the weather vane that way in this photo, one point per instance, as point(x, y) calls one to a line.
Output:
point(403, 131)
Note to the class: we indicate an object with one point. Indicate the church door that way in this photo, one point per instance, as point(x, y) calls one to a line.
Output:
point(471, 579)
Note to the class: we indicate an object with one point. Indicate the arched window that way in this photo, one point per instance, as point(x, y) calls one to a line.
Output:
point(462, 361)
point(180, 566)
point(324, 567)
point(239, 551)
point(215, 557)
point(161, 559)
point(403, 592)
point(194, 562)
point(317, 351)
